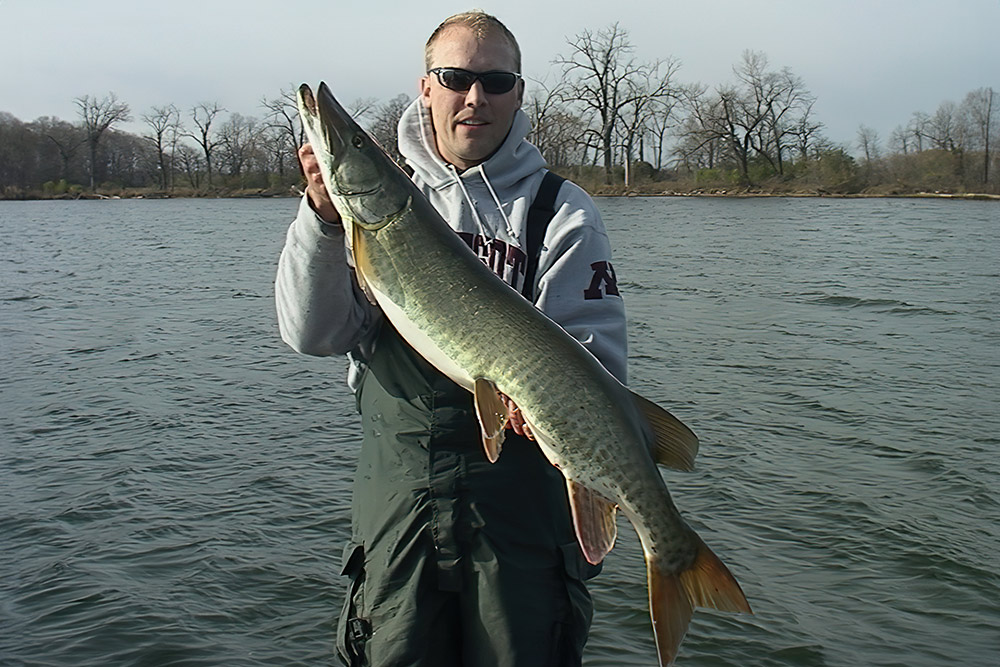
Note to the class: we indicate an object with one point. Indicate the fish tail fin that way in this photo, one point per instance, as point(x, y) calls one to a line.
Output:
point(707, 582)
point(670, 608)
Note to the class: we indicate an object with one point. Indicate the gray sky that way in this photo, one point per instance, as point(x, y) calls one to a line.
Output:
point(874, 62)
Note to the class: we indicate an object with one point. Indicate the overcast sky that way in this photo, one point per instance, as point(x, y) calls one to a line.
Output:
point(872, 62)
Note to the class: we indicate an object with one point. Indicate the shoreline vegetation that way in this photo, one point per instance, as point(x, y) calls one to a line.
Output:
point(611, 124)
point(605, 192)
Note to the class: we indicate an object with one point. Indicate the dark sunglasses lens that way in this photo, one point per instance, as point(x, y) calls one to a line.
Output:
point(456, 79)
point(496, 83)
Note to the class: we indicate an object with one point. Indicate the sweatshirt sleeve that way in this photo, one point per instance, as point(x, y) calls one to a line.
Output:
point(321, 309)
point(577, 287)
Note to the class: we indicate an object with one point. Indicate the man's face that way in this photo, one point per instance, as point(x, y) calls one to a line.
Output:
point(469, 126)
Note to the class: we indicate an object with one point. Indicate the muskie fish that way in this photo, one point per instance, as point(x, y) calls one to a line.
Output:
point(449, 306)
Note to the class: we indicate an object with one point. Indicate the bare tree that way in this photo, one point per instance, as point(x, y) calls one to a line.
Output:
point(66, 137)
point(164, 123)
point(555, 130)
point(362, 107)
point(764, 114)
point(899, 140)
point(384, 126)
point(191, 163)
point(283, 119)
point(97, 116)
point(237, 142)
point(980, 112)
point(642, 96)
point(769, 103)
point(917, 127)
point(603, 78)
point(806, 130)
point(660, 121)
point(942, 127)
point(130, 159)
point(868, 143)
point(17, 151)
point(203, 116)
point(704, 137)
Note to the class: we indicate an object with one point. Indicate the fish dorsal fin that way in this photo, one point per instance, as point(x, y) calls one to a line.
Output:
point(594, 521)
point(492, 415)
point(674, 444)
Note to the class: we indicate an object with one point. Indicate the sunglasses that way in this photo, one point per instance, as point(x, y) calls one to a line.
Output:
point(495, 82)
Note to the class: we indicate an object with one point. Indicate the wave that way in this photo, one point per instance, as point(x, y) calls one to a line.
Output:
point(883, 305)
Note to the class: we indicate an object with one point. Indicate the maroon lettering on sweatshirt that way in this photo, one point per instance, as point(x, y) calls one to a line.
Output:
point(505, 260)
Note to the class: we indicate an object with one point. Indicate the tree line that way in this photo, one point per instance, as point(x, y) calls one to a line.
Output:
point(612, 121)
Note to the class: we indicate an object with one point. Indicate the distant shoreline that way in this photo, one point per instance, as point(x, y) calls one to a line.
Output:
point(717, 194)
point(807, 195)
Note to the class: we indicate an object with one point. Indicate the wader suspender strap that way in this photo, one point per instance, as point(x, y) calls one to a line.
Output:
point(539, 216)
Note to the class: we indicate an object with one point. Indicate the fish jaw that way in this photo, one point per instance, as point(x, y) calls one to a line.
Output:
point(366, 186)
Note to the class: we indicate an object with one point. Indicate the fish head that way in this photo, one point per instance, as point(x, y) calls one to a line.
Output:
point(360, 177)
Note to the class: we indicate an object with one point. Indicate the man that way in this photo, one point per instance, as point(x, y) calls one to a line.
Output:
point(454, 560)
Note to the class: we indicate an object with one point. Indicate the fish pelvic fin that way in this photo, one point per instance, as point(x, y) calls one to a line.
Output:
point(674, 444)
point(594, 521)
point(492, 415)
point(673, 596)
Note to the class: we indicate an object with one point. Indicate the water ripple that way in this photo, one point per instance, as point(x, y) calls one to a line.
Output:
point(176, 482)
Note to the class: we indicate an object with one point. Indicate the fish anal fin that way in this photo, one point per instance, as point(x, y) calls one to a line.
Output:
point(674, 444)
point(492, 415)
point(594, 521)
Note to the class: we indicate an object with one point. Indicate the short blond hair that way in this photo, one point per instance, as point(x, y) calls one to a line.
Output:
point(482, 24)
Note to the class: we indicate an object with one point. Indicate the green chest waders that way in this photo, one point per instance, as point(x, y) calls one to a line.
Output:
point(456, 561)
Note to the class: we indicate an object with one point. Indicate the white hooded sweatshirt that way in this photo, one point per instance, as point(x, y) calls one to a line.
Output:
point(322, 311)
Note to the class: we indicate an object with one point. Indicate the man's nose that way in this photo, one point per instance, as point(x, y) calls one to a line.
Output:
point(476, 95)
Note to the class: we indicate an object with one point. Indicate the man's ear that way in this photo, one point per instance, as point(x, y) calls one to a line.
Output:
point(520, 92)
point(425, 91)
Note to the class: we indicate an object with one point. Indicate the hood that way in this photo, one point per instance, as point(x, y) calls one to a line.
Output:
point(513, 161)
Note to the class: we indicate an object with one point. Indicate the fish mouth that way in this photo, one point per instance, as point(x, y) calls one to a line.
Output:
point(359, 193)
point(334, 116)
point(328, 120)
point(308, 100)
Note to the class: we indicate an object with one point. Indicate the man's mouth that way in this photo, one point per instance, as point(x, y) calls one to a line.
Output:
point(472, 121)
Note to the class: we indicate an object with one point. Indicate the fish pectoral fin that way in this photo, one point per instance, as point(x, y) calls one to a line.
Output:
point(361, 265)
point(492, 415)
point(707, 582)
point(674, 444)
point(594, 521)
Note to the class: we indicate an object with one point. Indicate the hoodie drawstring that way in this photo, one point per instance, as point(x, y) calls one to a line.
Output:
point(487, 233)
point(496, 200)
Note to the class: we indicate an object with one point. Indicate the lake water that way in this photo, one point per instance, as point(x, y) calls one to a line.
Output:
point(175, 482)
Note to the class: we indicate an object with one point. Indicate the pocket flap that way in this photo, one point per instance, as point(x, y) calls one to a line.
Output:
point(353, 559)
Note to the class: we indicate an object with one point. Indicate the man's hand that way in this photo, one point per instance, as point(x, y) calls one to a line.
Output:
point(319, 198)
point(515, 420)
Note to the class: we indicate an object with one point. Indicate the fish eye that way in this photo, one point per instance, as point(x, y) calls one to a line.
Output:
point(358, 141)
